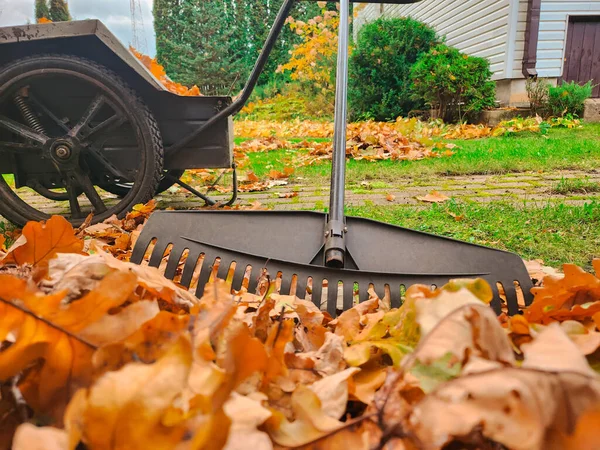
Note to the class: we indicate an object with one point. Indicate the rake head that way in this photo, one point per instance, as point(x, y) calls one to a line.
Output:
point(291, 244)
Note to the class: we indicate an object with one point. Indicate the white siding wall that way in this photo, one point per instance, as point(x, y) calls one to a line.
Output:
point(477, 27)
point(554, 21)
point(519, 46)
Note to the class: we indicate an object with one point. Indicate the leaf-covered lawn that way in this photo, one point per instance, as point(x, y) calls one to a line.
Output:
point(99, 353)
point(560, 149)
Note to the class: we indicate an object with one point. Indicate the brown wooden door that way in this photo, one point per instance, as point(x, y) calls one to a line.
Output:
point(582, 55)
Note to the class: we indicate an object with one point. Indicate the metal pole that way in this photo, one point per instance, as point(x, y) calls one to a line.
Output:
point(334, 244)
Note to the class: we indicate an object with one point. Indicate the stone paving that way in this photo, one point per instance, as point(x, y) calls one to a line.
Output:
point(528, 187)
point(517, 188)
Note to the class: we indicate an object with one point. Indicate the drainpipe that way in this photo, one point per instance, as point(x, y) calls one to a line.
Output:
point(532, 31)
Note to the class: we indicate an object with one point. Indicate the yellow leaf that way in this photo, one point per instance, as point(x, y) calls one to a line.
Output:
point(124, 409)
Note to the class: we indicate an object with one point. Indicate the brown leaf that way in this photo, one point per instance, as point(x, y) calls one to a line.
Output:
point(311, 422)
point(41, 242)
point(61, 360)
point(246, 416)
point(333, 392)
point(434, 197)
point(125, 409)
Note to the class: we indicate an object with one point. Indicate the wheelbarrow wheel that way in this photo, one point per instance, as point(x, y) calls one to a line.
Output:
point(165, 183)
point(68, 127)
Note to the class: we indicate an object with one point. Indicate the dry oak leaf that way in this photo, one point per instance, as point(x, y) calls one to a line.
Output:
point(64, 359)
point(126, 409)
point(246, 415)
point(434, 197)
point(42, 241)
point(311, 422)
point(333, 392)
point(518, 408)
point(575, 296)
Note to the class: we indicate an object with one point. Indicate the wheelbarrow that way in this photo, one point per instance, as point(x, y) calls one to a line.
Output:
point(309, 250)
point(80, 117)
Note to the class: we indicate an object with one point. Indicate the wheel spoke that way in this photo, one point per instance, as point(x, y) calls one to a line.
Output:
point(79, 130)
point(73, 202)
point(106, 163)
point(108, 126)
point(22, 130)
point(19, 147)
point(33, 99)
point(90, 192)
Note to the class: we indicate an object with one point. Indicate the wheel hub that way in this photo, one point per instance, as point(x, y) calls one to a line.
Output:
point(62, 151)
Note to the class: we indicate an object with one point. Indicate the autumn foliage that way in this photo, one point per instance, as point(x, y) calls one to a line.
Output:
point(110, 354)
point(159, 72)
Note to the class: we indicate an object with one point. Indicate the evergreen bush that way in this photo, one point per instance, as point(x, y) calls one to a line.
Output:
point(455, 85)
point(568, 98)
point(380, 66)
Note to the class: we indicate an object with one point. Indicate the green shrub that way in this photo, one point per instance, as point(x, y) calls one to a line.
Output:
point(568, 98)
point(455, 85)
point(537, 91)
point(386, 49)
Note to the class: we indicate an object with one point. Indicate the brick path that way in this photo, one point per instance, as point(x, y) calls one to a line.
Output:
point(517, 188)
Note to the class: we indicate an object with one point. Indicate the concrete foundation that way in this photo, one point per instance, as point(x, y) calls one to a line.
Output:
point(592, 110)
point(514, 93)
point(494, 116)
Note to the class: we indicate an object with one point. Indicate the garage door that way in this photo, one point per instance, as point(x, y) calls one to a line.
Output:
point(582, 55)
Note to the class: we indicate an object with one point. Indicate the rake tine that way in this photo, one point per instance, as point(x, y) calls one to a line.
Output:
point(348, 295)
point(158, 253)
point(238, 276)
point(207, 265)
point(317, 291)
point(173, 262)
point(496, 303)
point(189, 267)
point(223, 269)
point(395, 299)
point(511, 298)
point(301, 287)
point(332, 296)
point(286, 283)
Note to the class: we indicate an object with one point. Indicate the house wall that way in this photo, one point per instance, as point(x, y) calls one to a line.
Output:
point(554, 20)
point(476, 27)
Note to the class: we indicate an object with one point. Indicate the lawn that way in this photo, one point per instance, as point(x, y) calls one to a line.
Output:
point(546, 229)
point(560, 149)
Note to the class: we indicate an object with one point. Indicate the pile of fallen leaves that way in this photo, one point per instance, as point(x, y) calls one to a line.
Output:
point(413, 129)
point(159, 72)
point(100, 353)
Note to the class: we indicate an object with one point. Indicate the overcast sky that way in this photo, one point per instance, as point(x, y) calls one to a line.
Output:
point(114, 13)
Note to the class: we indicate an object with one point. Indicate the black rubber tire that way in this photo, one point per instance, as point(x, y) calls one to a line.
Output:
point(163, 185)
point(151, 158)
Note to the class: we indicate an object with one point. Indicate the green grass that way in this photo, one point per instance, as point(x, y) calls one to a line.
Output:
point(556, 233)
point(560, 149)
point(575, 186)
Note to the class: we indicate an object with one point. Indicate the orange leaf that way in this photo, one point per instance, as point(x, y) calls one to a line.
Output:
point(574, 296)
point(434, 197)
point(279, 336)
point(390, 197)
point(251, 177)
point(58, 362)
point(40, 242)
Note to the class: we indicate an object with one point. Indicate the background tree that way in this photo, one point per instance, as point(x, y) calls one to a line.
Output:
point(216, 42)
point(59, 11)
point(41, 9)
